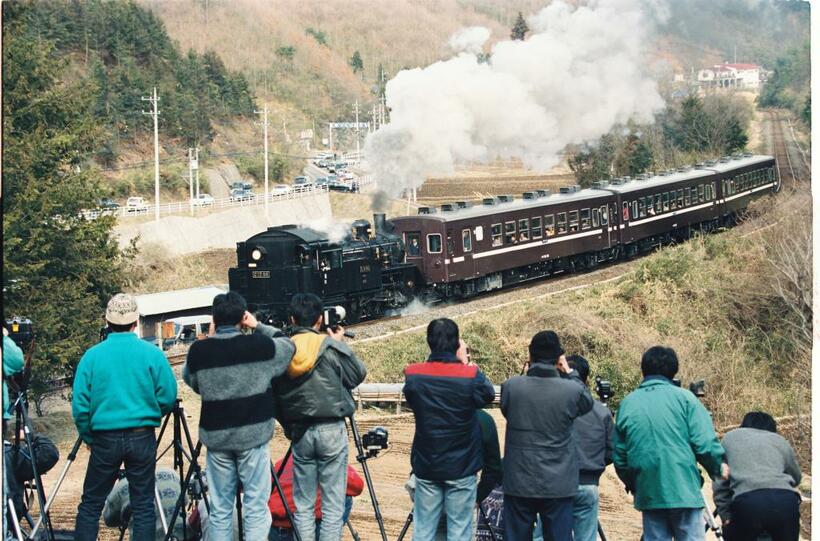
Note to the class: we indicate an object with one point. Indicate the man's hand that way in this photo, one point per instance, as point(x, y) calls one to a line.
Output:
point(212, 329)
point(724, 471)
point(337, 333)
point(5, 331)
point(249, 321)
point(562, 365)
point(463, 352)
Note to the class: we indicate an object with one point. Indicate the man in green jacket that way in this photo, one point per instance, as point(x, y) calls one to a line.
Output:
point(661, 434)
point(122, 388)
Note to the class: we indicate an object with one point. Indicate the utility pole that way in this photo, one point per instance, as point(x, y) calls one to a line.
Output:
point(154, 99)
point(383, 108)
point(196, 170)
point(373, 126)
point(191, 177)
point(330, 136)
point(264, 122)
point(356, 110)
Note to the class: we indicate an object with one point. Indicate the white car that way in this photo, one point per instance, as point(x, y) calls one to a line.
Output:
point(280, 189)
point(347, 175)
point(204, 200)
point(136, 205)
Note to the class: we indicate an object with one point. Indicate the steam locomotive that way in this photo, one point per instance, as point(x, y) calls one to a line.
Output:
point(460, 250)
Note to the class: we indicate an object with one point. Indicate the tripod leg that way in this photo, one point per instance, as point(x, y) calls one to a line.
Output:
point(362, 458)
point(72, 455)
point(353, 532)
point(14, 520)
point(160, 510)
point(487, 521)
point(406, 526)
point(278, 487)
point(601, 532)
point(41, 495)
point(181, 499)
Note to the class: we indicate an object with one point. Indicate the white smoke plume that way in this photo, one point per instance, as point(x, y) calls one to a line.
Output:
point(580, 72)
point(469, 40)
point(336, 231)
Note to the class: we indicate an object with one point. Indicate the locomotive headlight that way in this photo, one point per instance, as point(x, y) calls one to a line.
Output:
point(257, 253)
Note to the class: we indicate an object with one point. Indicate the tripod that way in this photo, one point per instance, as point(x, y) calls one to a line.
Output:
point(409, 520)
point(362, 457)
point(22, 420)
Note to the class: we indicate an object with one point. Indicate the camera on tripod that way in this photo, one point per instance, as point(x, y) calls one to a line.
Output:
point(375, 441)
point(21, 330)
point(697, 387)
point(603, 388)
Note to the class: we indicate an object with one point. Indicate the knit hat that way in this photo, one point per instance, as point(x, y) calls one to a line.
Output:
point(122, 309)
point(545, 346)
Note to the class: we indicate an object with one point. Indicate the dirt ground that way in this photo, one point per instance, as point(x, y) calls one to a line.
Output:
point(389, 472)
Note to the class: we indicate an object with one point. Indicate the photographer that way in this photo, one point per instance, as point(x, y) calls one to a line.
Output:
point(13, 363)
point(445, 394)
point(313, 401)
point(540, 455)
point(661, 433)
point(761, 492)
point(233, 374)
point(122, 388)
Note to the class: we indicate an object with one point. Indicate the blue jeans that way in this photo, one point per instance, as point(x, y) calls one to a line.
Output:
point(320, 459)
point(677, 524)
point(286, 534)
point(585, 513)
point(456, 498)
point(225, 470)
point(110, 449)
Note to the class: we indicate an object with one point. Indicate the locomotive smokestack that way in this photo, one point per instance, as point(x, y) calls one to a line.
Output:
point(379, 223)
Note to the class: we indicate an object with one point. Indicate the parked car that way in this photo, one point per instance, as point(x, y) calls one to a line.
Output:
point(280, 189)
point(347, 175)
point(237, 186)
point(302, 183)
point(242, 195)
point(204, 200)
point(321, 181)
point(106, 203)
point(136, 205)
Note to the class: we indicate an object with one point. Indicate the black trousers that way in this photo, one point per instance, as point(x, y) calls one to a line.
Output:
point(773, 511)
point(519, 517)
point(137, 449)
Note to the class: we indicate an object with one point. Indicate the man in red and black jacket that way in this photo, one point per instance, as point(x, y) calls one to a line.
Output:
point(281, 529)
point(444, 394)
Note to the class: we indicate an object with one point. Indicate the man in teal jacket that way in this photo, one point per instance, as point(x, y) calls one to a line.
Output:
point(13, 363)
point(661, 433)
point(122, 388)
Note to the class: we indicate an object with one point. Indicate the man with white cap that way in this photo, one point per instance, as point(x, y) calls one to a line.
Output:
point(122, 388)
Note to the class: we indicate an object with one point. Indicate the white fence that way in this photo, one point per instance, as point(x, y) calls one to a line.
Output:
point(184, 207)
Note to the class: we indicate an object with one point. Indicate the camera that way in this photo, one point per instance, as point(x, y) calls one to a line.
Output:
point(21, 330)
point(375, 440)
point(697, 387)
point(603, 388)
point(333, 317)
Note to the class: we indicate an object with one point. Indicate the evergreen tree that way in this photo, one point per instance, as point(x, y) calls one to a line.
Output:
point(594, 162)
point(634, 156)
point(356, 62)
point(520, 28)
point(60, 268)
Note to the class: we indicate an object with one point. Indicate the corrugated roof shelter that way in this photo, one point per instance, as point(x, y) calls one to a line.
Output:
point(154, 308)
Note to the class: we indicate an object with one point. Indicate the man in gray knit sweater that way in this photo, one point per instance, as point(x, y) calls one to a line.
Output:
point(233, 373)
point(760, 494)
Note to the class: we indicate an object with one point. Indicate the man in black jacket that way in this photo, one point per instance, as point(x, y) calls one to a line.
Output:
point(314, 399)
point(593, 434)
point(444, 394)
point(540, 456)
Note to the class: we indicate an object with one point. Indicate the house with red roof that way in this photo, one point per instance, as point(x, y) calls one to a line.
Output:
point(731, 75)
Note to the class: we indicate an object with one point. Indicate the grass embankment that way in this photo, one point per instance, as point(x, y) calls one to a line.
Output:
point(717, 300)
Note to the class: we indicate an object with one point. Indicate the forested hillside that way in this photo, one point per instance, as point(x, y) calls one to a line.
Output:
point(790, 84)
point(123, 51)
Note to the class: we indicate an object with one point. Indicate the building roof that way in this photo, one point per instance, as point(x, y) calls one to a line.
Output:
point(736, 66)
point(178, 300)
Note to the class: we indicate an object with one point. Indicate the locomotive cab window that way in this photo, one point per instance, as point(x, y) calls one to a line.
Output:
point(562, 223)
point(495, 231)
point(573, 220)
point(466, 241)
point(523, 229)
point(413, 244)
point(585, 224)
point(535, 228)
point(509, 233)
point(549, 225)
point(332, 260)
point(434, 243)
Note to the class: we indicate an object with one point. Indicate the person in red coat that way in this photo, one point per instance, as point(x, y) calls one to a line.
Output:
point(281, 529)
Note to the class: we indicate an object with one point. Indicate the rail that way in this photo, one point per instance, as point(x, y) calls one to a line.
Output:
point(183, 207)
point(391, 392)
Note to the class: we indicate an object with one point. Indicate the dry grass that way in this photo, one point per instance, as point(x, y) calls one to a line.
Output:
point(154, 270)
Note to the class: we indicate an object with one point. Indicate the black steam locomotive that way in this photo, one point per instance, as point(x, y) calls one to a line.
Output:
point(462, 250)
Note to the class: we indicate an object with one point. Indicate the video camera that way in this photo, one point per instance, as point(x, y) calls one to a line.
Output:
point(697, 387)
point(21, 330)
point(603, 388)
point(375, 441)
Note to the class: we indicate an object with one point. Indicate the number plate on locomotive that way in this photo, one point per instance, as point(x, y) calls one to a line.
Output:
point(260, 274)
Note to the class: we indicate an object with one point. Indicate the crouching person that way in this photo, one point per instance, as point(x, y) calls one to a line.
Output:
point(445, 394)
point(233, 373)
point(314, 400)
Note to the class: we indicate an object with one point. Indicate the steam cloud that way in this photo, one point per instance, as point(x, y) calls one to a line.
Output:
point(578, 73)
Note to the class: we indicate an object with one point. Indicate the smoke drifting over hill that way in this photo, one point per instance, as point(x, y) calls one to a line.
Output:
point(579, 72)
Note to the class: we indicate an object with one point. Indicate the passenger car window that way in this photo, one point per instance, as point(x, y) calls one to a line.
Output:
point(413, 244)
point(479, 233)
point(509, 233)
point(585, 224)
point(562, 222)
point(625, 213)
point(641, 207)
point(701, 196)
point(596, 218)
point(523, 229)
point(466, 240)
point(549, 225)
point(434, 243)
point(687, 198)
point(495, 231)
point(573, 220)
point(665, 199)
point(535, 228)
point(604, 216)
point(680, 198)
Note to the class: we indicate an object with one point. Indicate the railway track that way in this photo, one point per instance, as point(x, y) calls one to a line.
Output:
point(786, 168)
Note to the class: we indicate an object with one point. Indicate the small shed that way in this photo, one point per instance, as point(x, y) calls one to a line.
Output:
point(155, 308)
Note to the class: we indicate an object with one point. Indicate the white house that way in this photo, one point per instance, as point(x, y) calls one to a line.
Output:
point(728, 75)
